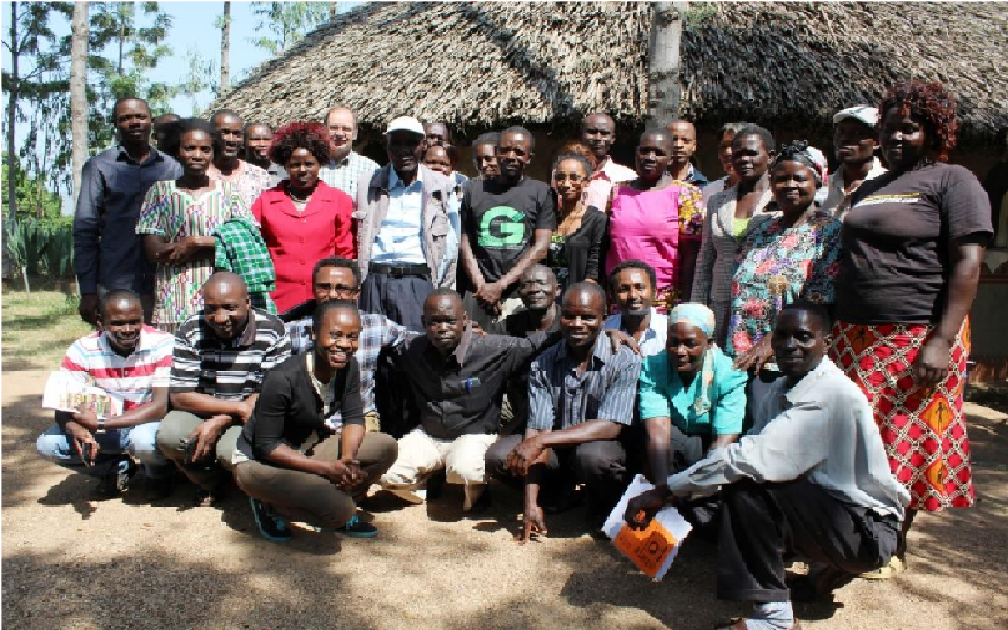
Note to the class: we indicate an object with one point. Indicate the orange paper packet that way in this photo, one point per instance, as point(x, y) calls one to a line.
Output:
point(647, 548)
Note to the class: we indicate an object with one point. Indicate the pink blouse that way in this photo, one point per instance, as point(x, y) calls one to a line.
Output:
point(645, 225)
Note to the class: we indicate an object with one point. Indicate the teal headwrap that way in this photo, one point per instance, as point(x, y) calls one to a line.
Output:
point(701, 317)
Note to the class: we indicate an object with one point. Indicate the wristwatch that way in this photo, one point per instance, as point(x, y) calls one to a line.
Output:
point(101, 427)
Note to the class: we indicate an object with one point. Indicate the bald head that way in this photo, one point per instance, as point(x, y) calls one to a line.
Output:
point(444, 320)
point(225, 282)
point(225, 304)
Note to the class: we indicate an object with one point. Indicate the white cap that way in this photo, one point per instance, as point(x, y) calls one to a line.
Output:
point(867, 115)
point(406, 123)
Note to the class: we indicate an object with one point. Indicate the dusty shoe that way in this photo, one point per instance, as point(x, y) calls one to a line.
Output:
point(117, 480)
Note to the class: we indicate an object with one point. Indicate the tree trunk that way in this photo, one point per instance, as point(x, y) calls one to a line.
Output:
point(663, 63)
point(12, 157)
point(78, 93)
point(225, 49)
point(333, 10)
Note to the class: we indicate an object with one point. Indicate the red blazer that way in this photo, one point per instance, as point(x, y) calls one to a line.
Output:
point(297, 240)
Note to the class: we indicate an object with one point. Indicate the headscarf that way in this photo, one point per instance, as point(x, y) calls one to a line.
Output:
point(702, 318)
point(800, 151)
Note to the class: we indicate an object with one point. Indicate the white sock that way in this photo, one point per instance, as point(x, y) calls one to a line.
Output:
point(771, 616)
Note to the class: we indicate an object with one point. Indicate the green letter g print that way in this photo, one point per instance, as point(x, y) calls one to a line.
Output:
point(502, 226)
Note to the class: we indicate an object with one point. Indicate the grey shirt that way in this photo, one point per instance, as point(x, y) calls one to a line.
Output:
point(822, 428)
point(107, 250)
point(559, 397)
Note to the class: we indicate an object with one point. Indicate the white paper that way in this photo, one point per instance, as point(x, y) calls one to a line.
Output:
point(669, 517)
point(65, 393)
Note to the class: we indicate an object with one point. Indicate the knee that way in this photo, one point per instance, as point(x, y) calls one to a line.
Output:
point(384, 451)
point(597, 460)
point(143, 442)
point(53, 445)
point(496, 458)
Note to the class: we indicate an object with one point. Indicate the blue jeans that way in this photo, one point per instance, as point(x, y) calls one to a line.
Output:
point(137, 441)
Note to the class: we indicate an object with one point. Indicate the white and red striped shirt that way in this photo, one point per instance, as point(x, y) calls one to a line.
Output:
point(91, 360)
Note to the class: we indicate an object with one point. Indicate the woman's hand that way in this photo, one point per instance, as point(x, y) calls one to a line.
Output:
point(931, 366)
point(756, 357)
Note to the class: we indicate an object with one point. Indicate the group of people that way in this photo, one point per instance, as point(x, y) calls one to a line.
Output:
point(782, 351)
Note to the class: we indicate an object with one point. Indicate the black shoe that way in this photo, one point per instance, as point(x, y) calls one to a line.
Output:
point(160, 488)
point(117, 480)
point(271, 526)
point(435, 484)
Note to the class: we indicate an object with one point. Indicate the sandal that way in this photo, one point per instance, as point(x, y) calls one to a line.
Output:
point(739, 623)
point(891, 569)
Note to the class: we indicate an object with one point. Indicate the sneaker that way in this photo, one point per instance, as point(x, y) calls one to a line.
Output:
point(356, 528)
point(271, 526)
point(117, 480)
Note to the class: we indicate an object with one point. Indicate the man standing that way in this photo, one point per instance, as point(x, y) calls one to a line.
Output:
point(632, 283)
point(457, 379)
point(247, 179)
point(290, 461)
point(347, 169)
point(220, 358)
point(107, 252)
point(855, 143)
point(129, 361)
point(437, 134)
point(684, 146)
point(812, 479)
point(339, 279)
point(258, 138)
point(403, 228)
point(484, 151)
point(507, 223)
point(581, 396)
point(599, 132)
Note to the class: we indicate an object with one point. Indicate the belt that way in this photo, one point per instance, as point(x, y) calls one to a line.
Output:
point(400, 271)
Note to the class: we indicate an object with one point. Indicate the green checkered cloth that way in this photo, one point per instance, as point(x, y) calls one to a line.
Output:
point(240, 248)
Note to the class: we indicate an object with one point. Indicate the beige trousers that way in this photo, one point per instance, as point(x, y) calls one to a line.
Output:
point(464, 459)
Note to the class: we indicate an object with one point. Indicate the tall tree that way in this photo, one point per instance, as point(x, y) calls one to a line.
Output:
point(225, 47)
point(197, 79)
point(12, 96)
point(80, 34)
point(287, 22)
point(663, 63)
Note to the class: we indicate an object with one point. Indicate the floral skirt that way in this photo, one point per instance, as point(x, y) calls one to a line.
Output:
point(922, 427)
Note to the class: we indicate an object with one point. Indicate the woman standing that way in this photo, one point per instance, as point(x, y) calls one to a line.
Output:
point(178, 219)
point(727, 222)
point(574, 253)
point(913, 243)
point(791, 252)
point(303, 220)
point(656, 222)
point(724, 153)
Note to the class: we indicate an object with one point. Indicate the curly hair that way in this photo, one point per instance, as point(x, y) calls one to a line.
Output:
point(311, 136)
point(934, 105)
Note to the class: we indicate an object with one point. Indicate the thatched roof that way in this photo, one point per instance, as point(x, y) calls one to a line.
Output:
point(489, 64)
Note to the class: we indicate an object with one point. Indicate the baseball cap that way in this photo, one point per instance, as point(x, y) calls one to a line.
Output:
point(864, 113)
point(406, 123)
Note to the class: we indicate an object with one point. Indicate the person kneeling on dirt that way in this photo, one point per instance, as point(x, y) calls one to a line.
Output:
point(581, 405)
point(811, 480)
point(219, 361)
point(290, 462)
point(131, 362)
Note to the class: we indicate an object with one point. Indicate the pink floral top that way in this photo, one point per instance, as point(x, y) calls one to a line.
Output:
point(776, 266)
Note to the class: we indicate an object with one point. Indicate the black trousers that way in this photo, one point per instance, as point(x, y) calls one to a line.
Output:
point(401, 299)
point(763, 524)
point(601, 466)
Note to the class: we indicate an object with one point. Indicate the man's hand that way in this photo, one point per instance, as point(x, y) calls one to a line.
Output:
point(346, 474)
point(523, 456)
point(88, 308)
point(206, 435)
point(755, 357)
point(619, 339)
point(931, 365)
point(245, 409)
point(490, 295)
point(534, 523)
point(643, 507)
point(79, 436)
point(182, 251)
point(86, 419)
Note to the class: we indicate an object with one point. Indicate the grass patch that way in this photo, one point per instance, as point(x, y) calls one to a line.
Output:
point(38, 329)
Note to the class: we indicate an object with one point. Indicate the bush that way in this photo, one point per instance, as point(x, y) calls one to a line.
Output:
point(43, 247)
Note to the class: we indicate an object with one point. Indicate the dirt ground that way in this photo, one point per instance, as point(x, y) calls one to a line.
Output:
point(71, 563)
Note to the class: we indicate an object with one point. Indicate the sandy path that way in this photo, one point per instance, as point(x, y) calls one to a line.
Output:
point(70, 563)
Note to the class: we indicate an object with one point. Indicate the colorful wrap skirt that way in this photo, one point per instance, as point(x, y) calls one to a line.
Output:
point(922, 427)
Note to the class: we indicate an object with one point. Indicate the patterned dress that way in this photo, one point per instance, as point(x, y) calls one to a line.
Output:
point(776, 266)
point(174, 213)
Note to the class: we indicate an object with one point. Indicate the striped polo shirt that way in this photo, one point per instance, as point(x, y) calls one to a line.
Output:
point(132, 378)
point(559, 397)
point(230, 369)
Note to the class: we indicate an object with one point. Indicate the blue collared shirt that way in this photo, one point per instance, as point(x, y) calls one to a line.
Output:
point(400, 237)
point(653, 339)
point(107, 251)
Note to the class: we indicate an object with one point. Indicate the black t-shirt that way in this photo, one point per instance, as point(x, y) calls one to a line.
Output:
point(896, 236)
point(501, 221)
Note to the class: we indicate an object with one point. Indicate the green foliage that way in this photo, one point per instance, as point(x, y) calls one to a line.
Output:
point(200, 76)
point(287, 22)
point(42, 246)
point(34, 198)
point(697, 13)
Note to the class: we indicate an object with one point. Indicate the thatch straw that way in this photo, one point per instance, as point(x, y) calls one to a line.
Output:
point(490, 64)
